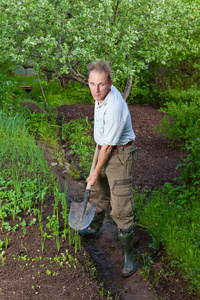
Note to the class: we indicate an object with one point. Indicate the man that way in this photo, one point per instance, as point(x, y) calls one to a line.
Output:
point(112, 178)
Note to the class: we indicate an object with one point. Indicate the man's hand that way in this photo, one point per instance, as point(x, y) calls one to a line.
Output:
point(102, 159)
point(93, 177)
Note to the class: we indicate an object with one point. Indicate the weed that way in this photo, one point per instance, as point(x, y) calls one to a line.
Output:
point(48, 272)
point(23, 223)
point(1, 244)
point(33, 221)
point(106, 294)
point(147, 264)
point(7, 240)
point(2, 257)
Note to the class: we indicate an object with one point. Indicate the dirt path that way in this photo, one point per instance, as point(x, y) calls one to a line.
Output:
point(106, 253)
point(156, 164)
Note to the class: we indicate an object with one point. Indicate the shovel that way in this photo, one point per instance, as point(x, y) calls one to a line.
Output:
point(82, 213)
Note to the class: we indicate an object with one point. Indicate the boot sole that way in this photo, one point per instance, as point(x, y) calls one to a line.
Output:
point(129, 274)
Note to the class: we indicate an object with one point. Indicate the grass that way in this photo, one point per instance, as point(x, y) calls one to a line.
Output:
point(26, 181)
point(176, 226)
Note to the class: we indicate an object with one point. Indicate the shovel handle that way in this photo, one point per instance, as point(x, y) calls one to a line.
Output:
point(94, 162)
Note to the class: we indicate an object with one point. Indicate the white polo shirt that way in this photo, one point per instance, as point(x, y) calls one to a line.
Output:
point(112, 120)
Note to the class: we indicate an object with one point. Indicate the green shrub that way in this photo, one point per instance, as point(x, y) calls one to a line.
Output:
point(77, 94)
point(78, 133)
point(20, 94)
point(56, 96)
point(42, 126)
point(190, 175)
point(141, 92)
point(177, 95)
point(24, 81)
point(11, 94)
point(7, 87)
point(48, 87)
point(181, 122)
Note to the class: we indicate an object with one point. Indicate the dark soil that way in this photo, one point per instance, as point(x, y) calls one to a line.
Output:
point(28, 279)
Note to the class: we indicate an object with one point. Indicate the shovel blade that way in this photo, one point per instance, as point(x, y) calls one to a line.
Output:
point(81, 215)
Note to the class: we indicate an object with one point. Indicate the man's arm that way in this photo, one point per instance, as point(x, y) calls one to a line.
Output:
point(102, 159)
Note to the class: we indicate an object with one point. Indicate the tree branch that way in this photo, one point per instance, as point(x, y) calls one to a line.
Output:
point(127, 89)
point(76, 73)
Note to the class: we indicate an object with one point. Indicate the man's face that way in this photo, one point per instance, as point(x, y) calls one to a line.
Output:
point(99, 85)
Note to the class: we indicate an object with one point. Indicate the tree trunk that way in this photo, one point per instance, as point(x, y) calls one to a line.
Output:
point(48, 76)
point(163, 79)
point(63, 82)
point(127, 89)
point(42, 90)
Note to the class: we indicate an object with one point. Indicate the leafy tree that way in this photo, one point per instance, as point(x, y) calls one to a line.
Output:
point(63, 36)
point(171, 34)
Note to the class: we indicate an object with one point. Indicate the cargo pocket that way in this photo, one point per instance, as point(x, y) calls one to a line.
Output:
point(122, 188)
point(122, 201)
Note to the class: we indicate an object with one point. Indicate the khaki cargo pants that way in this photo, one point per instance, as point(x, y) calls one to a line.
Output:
point(114, 185)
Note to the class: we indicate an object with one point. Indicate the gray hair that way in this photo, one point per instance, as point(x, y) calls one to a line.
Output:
point(101, 66)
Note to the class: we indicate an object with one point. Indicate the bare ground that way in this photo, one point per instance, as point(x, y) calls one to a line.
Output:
point(30, 279)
